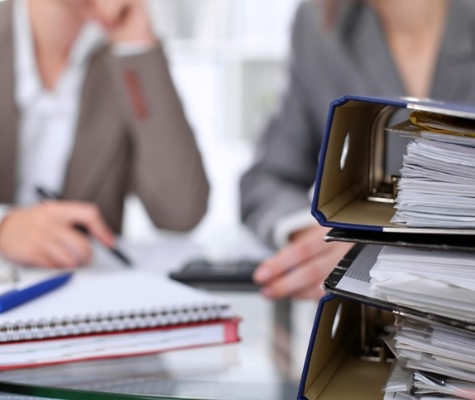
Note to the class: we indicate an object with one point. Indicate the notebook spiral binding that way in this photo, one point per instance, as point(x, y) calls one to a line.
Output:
point(119, 321)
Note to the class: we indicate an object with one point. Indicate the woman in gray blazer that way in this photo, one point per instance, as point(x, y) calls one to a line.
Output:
point(418, 48)
point(88, 109)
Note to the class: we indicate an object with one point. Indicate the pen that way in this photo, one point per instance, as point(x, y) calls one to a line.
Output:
point(16, 297)
point(48, 194)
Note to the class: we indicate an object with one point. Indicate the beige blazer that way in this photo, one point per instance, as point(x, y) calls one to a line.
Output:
point(132, 135)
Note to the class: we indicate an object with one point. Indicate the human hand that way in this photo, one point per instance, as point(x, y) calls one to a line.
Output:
point(299, 269)
point(44, 235)
point(124, 20)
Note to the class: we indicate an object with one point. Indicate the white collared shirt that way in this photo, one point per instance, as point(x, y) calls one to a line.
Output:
point(47, 118)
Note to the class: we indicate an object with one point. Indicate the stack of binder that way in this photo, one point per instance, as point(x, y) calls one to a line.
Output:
point(398, 318)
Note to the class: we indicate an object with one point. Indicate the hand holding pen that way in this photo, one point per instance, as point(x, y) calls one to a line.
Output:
point(49, 195)
point(47, 234)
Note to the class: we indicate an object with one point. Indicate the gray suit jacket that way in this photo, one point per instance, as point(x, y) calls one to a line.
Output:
point(351, 59)
point(132, 135)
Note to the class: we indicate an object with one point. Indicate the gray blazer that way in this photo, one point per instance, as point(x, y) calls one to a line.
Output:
point(132, 135)
point(351, 59)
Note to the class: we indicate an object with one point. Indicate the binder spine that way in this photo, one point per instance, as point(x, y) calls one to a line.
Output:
point(87, 324)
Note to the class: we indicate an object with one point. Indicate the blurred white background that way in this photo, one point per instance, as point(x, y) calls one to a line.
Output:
point(228, 59)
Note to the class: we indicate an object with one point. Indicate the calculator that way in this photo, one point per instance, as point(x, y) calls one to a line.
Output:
point(226, 274)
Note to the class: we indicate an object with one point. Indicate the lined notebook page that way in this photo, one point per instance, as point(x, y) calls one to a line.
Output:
point(97, 301)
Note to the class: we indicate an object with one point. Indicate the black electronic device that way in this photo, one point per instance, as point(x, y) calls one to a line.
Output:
point(223, 274)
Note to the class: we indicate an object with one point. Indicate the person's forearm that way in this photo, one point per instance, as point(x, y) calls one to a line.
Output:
point(169, 175)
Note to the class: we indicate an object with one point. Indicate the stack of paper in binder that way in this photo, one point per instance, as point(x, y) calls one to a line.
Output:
point(410, 277)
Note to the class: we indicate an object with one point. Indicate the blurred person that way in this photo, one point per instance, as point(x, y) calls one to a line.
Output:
point(417, 48)
point(88, 110)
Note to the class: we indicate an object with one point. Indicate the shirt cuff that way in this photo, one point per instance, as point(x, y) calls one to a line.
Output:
point(131, 49)
point(4, 210)
point(290, 224)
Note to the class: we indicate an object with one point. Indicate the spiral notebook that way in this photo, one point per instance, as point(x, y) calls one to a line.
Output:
point(113, 314)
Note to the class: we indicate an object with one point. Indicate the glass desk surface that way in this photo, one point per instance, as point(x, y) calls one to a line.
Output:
point(266, 364)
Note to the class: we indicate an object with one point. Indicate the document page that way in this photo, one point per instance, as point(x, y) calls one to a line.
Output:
point(357, 278)
point(429, 281)
point(437, 180)
point(432, 360)
point(440, 282)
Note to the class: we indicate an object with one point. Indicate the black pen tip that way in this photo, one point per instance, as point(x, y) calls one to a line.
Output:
point(125, 260)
